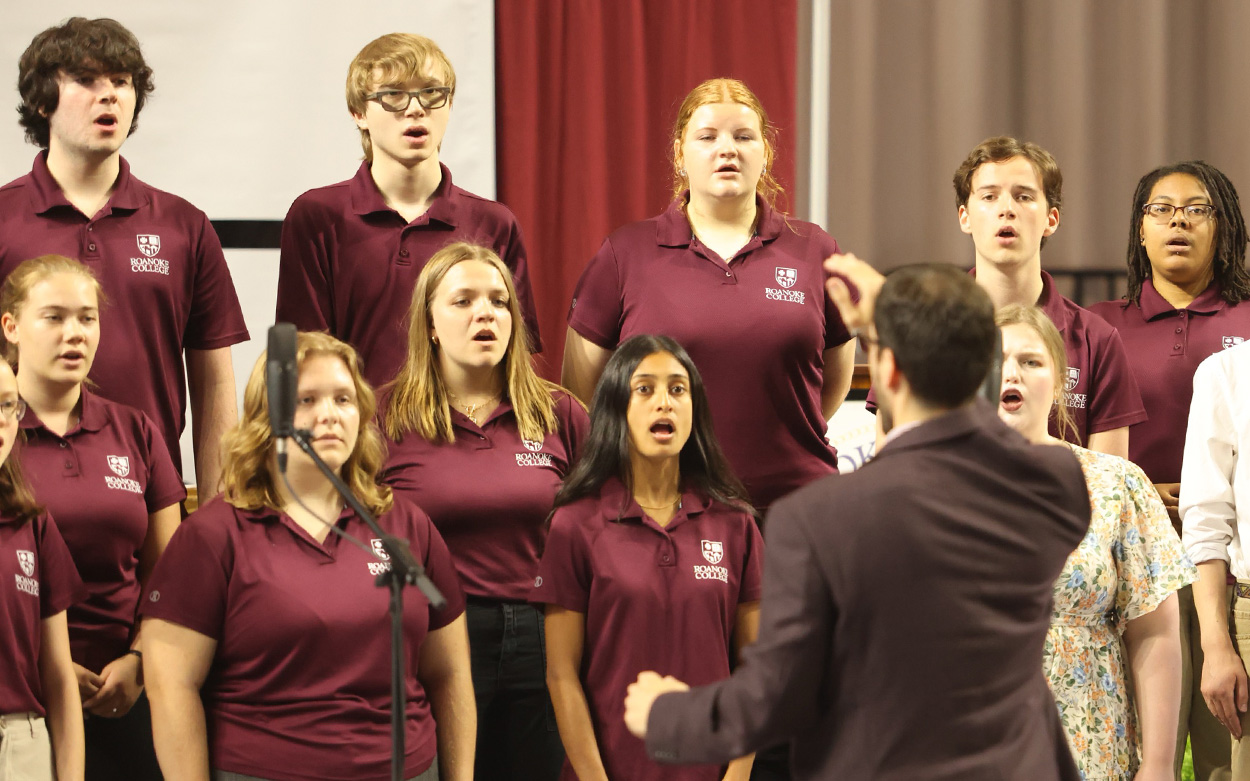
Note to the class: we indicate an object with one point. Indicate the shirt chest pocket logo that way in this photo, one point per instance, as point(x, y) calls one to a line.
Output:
point(786, 278)
point(120, 465)
point(26, 560)
point(149, 247)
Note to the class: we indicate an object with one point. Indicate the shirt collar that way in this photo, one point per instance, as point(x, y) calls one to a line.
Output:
point(46, 194)
point(1053, 304)
point(366, 198)
point(92, 418)
point(1154, 305)
point(673, 228)
point(617, 504)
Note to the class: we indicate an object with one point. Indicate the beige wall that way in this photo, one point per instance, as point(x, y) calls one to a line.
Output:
point(1112, 88)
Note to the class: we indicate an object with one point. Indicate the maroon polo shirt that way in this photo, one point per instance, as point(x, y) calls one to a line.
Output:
point(1166, 345)
point(300, 683)
point(162, 269)
point(1100, 391)
point(757, 329)
point(37, 580)
point(654, 598)
point(490, 491)
point(101, 481)
point(349, 263)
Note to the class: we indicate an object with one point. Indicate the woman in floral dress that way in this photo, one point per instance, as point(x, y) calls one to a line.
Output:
point(1113, 652)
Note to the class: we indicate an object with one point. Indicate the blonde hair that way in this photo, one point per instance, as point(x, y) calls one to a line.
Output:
point(1035, 318)
point(19, 283)
point(418, 396)
point(247, 469)
point(728, 91)
point(396, 58)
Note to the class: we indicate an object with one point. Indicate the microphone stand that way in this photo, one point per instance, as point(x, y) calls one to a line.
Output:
point(404, 571)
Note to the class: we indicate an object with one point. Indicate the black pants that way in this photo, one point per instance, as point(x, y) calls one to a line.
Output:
point(516, 725)
point(121, 749)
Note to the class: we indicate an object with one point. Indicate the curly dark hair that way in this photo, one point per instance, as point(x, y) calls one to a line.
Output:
point(77, 47)
point(1230, 230)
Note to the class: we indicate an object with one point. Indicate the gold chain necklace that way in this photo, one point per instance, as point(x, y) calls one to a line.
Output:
point(469, 410)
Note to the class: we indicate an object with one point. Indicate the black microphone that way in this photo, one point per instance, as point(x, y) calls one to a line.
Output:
point(281, 379)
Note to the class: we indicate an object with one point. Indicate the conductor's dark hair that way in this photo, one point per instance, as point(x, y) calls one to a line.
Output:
point(77, 47)
point(606, 454)
point(940, 326)
point(1229, 263)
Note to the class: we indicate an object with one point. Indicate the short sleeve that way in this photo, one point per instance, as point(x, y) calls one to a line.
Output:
point(216, 319)
point(836, 332)
point(752, 564)
point(1114, 399)
point(1151, 562)
point(191, 581)
point(59, 583)
point(165, 485)
point(305, 295)
point(598, 300)
point(441, 570)
point(574, 425)
point(564, 577)
point(514, 257)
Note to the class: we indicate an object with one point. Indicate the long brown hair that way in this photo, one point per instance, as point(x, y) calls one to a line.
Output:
point(247, 468)
point(17, 501)
point(418, 396)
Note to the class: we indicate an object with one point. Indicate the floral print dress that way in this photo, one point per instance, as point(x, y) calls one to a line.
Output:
point(1128, 563)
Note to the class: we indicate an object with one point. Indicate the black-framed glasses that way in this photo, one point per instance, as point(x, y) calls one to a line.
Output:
point(398, 100)
point(864, 339)
point(13, 410)
point(1194, 212)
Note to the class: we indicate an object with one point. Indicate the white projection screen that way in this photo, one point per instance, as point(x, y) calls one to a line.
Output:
point(249, 107)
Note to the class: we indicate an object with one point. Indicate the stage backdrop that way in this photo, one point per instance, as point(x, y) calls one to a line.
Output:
point(249, 109)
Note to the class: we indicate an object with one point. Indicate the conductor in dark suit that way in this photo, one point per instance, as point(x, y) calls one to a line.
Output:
point(905, 605)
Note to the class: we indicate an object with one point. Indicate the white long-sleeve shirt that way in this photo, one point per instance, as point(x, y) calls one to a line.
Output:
point(1215, 482)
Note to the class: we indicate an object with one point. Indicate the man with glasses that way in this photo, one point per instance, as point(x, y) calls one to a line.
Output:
point(83, 85)
point(352, 251)
point(1008, 193)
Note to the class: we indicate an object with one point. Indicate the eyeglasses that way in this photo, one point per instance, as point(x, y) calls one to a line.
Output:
point(1162, 212)
point(864, 339)
point(398, 100)
point(12, 410)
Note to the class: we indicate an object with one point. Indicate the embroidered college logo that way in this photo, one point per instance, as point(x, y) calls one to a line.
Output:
point(1232, 341)
point(149, 244)
point(786, 277)
point(120, 465)
point(1074, 376)
point(531, 445)
point(713, 551)
point(26, 560)
point(378, 549)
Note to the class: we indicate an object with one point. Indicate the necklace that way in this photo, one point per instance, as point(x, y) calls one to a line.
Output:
point(470, 410)
point(661, 507)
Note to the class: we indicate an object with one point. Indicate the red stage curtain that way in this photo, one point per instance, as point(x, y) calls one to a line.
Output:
point(586, 95)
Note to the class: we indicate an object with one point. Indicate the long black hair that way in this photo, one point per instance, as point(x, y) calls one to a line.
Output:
point(1230, 231)
point(606, 453)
